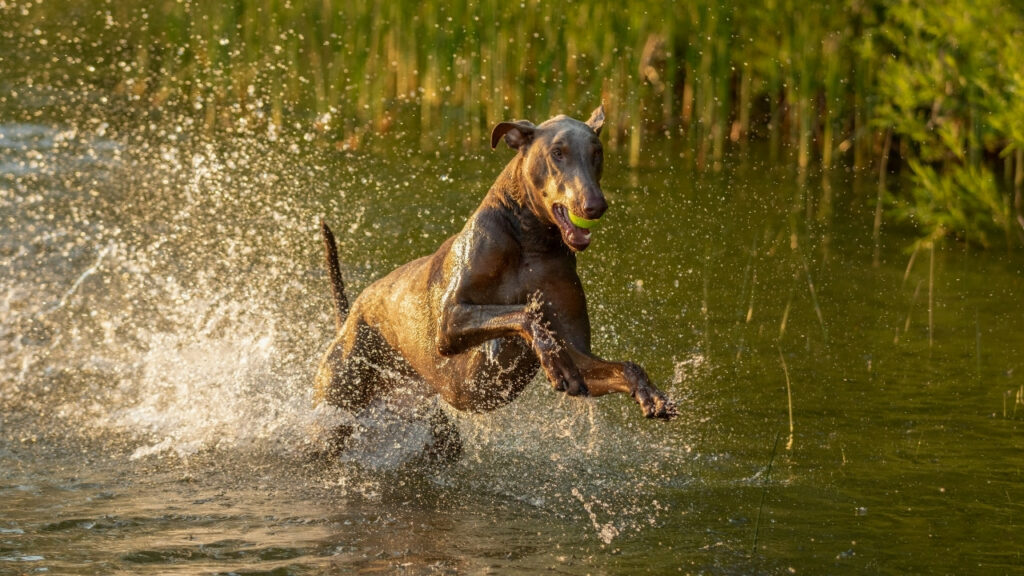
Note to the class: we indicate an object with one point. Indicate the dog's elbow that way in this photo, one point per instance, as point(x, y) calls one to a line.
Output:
point(445, 349)
point(444, 342)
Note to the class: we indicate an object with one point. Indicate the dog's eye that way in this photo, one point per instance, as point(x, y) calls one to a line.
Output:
point(556, 153)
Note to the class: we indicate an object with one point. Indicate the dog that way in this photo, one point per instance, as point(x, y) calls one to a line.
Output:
point(501, 299)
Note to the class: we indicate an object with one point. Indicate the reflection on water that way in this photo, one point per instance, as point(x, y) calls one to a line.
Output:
point(163, 308)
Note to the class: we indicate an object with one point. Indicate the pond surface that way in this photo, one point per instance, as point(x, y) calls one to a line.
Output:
point(163, 308)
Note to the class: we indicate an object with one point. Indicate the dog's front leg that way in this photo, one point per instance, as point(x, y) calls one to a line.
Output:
point(604, 377)
point(464, 326)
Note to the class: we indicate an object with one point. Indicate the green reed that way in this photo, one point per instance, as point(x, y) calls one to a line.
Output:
point(825, 83)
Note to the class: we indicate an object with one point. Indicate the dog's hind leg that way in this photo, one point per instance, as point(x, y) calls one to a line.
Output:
point(354, 371)
point(344, 378)
point(352, 374)
point(447, 444)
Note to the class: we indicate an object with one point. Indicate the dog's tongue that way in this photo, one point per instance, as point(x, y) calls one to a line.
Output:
point(580, 236)
point(574, 236)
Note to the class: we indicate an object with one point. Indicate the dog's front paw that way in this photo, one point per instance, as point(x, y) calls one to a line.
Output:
point(655, 404)
point(558, 366)
point(564, 375)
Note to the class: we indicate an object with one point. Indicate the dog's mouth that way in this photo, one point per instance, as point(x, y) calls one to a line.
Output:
point(574, 236)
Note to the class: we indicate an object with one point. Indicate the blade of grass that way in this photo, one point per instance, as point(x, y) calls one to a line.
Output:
point(789, 398)
point(764, 493)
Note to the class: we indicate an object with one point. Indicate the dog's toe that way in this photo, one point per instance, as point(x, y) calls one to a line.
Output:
point(668, 410)
point(656, 405)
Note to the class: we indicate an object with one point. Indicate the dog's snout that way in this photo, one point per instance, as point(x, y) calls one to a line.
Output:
point(594, 206)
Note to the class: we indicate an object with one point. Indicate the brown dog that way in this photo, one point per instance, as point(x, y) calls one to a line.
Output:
point(497, 301)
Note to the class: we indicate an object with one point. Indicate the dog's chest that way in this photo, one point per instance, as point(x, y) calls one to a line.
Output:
point(555, 276)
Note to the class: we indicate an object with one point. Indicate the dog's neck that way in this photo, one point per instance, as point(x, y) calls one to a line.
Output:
point(515, 199)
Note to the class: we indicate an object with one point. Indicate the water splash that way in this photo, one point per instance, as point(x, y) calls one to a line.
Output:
point(607, 531)
point(170, 295)
point(201, 391)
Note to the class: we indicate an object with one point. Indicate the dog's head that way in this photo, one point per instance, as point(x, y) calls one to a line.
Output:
point(562, 162)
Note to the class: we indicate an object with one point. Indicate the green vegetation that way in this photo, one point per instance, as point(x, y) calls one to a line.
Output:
point(933, 86)
point(951, 89)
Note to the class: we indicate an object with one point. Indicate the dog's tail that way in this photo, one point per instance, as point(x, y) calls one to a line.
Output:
point(334, 271)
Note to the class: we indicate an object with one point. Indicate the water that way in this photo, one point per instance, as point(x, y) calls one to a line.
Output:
point(163, 309)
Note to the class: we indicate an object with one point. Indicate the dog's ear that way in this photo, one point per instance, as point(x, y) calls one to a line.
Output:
point(597, 120)
point(517, 134)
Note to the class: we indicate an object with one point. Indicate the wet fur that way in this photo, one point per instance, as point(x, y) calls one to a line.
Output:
point(500, 300)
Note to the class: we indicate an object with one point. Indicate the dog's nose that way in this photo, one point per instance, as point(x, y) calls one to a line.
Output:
point(594, 206)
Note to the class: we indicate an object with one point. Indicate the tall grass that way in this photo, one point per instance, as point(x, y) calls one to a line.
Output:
point(822, 82)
